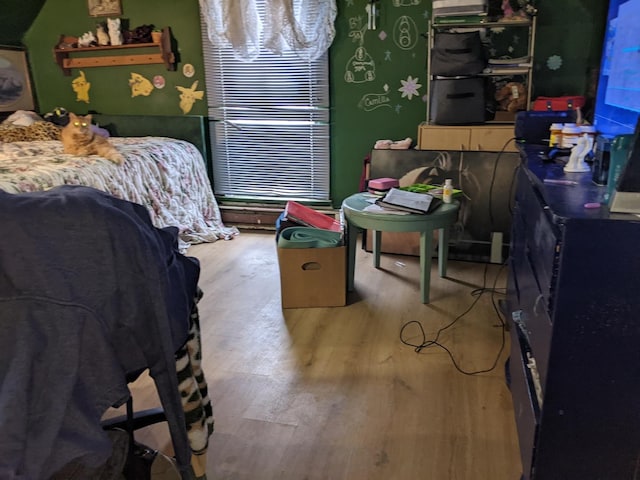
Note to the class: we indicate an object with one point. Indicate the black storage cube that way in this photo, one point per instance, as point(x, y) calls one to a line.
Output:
point(457, 101)
point(456, 54)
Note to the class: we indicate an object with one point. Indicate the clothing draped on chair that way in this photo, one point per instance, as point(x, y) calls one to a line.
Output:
point(89, 291)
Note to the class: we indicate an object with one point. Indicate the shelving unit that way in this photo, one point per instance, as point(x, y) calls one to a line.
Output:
point(525, 72)
point(146, 54)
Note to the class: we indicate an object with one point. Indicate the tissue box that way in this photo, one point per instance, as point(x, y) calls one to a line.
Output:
point(383, 183)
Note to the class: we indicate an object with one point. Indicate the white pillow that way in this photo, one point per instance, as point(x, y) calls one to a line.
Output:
point(23, 118)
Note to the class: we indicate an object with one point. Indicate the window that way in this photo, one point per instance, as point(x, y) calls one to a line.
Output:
point(269, 124)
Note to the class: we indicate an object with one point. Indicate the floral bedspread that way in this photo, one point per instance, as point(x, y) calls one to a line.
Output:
point(165, 175)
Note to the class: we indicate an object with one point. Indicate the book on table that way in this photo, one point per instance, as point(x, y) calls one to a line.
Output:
point(411, 202)
point(308, 217)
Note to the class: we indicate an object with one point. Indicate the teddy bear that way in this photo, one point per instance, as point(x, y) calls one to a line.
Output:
point(512, 97)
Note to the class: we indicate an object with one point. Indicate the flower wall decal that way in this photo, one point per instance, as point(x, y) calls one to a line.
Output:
point(554, 62)
point(409, 87)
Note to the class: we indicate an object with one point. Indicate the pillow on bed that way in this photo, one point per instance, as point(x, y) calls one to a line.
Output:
point(35, 131)
point(23, 118)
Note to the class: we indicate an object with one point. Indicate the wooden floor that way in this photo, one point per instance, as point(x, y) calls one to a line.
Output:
point(333, 393)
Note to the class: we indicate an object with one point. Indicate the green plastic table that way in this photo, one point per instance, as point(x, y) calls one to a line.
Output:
point(440, 219)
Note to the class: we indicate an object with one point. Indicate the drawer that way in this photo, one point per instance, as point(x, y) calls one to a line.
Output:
point(476, 138)
point(433, 137)
point(516, 256)
point(493, 139)
point(542, 240)
point(525, 403)
point(535, 321)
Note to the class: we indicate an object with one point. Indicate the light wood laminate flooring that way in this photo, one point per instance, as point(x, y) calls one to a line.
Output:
point(332, 393)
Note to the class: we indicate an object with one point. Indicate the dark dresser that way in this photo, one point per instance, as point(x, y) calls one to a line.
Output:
point(574, 302)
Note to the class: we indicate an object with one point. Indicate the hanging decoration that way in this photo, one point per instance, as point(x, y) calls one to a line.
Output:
point(188, 70)
point(159, 81)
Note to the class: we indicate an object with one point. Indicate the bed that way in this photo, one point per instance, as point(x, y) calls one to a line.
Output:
point(166, 174)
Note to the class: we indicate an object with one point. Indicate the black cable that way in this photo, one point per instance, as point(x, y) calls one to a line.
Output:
point(435, 342)
point(493, 178)
point(478, 292)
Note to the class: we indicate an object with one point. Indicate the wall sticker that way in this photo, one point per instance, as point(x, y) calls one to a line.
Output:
point(372, 101)
point(405, 33)
point(360, 67)
point(409, 87)
point(188, 70)
point(140, 85)
point(159, 81)
point(188, 96)
point(81, 86)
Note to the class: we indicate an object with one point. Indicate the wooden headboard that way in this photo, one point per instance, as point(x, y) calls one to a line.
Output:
point(191, 128)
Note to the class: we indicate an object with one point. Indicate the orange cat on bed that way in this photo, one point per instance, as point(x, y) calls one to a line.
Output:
point(79, 139)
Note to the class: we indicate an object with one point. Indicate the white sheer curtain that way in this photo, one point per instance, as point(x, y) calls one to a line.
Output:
point(302, 26)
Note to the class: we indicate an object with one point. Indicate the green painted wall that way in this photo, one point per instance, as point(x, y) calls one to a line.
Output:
point(367, 66)
point(571, 32)
point(110, 91)
point(371, 107)
point(16, 17)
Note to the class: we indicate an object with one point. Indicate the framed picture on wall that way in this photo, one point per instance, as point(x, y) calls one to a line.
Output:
point(15, 84)
point(105, 8)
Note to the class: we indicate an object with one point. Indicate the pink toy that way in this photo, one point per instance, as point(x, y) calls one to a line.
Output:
point(506, 9)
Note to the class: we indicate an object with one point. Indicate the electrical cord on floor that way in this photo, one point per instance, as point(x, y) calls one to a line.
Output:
point(478, 292)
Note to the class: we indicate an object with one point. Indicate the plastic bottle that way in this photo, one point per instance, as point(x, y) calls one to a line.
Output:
point(570, 135)
point(555, 135)
point(589, 130)
point(447, 191)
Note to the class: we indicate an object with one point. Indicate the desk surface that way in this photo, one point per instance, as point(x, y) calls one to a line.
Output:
point(354, 205)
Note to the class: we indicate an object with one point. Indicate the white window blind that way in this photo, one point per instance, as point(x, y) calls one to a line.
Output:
point(269, 125)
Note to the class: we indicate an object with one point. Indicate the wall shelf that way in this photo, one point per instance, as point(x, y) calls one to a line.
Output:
point(146, 54)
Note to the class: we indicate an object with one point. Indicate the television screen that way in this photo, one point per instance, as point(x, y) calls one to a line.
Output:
point(618, 98)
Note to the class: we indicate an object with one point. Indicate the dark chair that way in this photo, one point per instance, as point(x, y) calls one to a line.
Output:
point(91, 293)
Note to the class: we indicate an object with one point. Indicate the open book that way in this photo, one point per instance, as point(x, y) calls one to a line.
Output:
point(409, 201)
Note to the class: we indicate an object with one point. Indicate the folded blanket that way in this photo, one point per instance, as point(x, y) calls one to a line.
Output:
point(29, 133)
point(308, 237)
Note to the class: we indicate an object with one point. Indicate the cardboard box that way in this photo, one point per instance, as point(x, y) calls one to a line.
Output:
point(313, 277)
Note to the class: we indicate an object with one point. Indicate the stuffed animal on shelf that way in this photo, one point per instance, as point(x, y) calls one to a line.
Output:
point(507, 9)
point(103, 37)
point(512, 97)
point(141, 34)
point(115, 35)
point(87, 39)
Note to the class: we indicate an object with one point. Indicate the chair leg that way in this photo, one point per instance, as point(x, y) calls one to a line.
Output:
point(129, 421)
